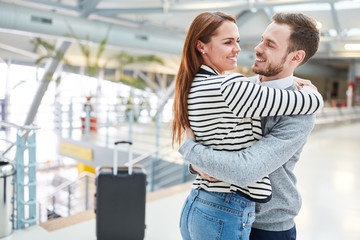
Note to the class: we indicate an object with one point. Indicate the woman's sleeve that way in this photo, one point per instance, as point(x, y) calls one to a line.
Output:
point(246, 99)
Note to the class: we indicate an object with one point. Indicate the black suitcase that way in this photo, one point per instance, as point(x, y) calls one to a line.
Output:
point(120, 201)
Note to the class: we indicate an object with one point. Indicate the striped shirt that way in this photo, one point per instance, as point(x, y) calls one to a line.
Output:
point(224, 113)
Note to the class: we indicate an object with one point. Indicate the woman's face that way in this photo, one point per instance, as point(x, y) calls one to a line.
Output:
point(222, 50)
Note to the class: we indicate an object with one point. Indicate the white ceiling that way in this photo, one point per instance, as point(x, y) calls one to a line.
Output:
point(159, 26)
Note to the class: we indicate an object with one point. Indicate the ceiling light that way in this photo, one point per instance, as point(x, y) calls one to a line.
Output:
point(319, 25)
point(332, 32)
point(352, 47)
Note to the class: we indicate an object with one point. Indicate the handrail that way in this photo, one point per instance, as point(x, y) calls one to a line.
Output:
point(67, 184)
point(2, 157)
point(146, 155)
point(136, 160)
point(70, 182)
point(5, 140)
point(64, 186)
point(25, 127)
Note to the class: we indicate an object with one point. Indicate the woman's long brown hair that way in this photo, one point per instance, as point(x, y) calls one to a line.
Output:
point(203, 27)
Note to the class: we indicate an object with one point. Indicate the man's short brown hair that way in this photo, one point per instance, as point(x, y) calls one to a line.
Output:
point(305, 33)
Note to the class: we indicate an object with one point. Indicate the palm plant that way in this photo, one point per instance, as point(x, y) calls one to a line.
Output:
point(94, 62)
point(124, 59)
point(50, 52)
point(92, 65)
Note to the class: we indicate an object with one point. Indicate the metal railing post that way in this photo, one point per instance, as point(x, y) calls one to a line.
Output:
point(69, 199)
point(59, 117)
point(13, 200)
point(39, 212)
point(87, 122)
point(157, 145)
point(86, 192)
point(53, 203)
point(32, 177)
point(131, 123)
point(25, 219)
point(70, 116)
point(107, 125)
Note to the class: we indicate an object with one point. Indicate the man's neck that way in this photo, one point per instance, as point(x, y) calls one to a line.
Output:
point(282, 83)
point(276, 77)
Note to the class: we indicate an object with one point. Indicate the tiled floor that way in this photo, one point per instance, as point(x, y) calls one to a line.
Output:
point(327, 178)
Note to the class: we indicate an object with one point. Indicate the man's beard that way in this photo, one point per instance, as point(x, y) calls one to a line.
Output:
point(271, 70)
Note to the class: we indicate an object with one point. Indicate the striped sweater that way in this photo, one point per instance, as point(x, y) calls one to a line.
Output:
point(224, 113)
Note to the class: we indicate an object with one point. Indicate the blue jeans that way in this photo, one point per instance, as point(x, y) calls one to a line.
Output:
point(213, 215)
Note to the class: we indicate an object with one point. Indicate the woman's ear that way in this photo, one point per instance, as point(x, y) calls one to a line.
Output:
point(200, 46)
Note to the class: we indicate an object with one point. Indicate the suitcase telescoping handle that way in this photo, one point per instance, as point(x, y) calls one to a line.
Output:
point(130, 154)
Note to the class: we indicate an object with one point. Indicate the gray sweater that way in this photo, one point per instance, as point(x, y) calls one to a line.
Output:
point(275, 155)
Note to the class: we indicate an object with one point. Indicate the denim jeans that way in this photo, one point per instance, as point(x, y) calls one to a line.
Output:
point(213, 215)
point(258, 234)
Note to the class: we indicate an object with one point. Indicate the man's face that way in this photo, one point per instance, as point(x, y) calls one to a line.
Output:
point(271, 53)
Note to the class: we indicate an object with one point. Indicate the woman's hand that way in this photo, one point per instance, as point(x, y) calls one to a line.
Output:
point(300, 82)
point(203, 174)
point(189, 134)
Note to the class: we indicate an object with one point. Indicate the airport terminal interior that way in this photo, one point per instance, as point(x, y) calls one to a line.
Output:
point(78, 76)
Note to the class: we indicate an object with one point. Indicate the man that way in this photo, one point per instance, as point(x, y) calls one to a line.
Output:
point(288, 42)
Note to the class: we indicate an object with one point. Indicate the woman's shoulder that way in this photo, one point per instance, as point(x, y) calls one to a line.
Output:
point(231, 78)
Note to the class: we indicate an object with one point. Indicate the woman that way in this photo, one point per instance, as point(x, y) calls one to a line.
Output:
point(224, 112)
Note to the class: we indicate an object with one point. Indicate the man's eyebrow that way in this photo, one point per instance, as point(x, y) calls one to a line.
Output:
point(271, 41)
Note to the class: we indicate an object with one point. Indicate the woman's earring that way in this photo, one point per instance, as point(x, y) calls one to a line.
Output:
point(203, 52)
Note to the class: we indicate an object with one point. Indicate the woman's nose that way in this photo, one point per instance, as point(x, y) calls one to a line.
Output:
point(237, 48)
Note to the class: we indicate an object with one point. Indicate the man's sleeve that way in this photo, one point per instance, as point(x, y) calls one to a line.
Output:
point(245, 167)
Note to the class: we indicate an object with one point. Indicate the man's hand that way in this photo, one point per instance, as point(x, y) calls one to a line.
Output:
point(204, 175)
point(299, 82)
